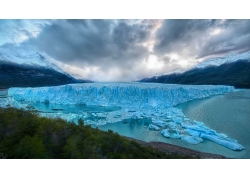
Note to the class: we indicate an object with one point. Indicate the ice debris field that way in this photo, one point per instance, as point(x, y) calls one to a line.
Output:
point(135, 100)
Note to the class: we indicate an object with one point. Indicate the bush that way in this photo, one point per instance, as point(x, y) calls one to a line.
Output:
point(23, 134)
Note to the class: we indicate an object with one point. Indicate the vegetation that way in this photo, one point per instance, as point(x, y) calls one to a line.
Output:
point(23, 134)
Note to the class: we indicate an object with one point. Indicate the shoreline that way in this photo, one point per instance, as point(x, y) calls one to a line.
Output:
point(174, 149)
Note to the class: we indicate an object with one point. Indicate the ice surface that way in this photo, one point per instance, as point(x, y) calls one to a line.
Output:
point(191, 139)
point(153, 127)
point(165, 133)
point(135, 101)
point(159, 123)
point(131, 95)
point(206, 133)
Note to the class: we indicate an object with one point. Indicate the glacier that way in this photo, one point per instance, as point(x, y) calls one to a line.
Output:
point(135, 101)
point(127, 95)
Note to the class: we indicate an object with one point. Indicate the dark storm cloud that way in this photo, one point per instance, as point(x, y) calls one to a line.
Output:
point(166, 60)
point(235, 37)
point(94, 42)
point(195, 38)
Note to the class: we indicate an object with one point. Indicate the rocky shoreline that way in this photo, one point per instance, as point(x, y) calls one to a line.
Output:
point(173, 149)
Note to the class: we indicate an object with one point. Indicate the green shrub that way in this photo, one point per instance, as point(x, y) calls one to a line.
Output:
point(23, 134)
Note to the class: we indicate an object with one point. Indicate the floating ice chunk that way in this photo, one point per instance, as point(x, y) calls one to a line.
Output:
point(159, 123)
point(93, 114)
point(224, 135)
point(193, 132)
point(199, 123)
point(223, 141)
point(4, 102)
point(117, 116)
point(172, 125)
point(101, 115)
point(8, 101)
point(200, 128)
point(137, 117)
point(129, 110)
point(153, 127)
point(177, 120)
point(165, 133)
point(211, 135)
point(191, 139)
point(174, 134)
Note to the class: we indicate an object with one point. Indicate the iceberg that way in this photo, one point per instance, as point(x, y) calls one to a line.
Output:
point(191, 139)
point(159, 123)
point(153, 127)
point(206, 133)
point(227, 142)
point(165, 133)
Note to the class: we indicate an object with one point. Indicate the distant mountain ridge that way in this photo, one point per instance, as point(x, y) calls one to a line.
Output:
point(80, 78)
point(32, 59)
point(31, 70)
point(230, 70)
point(224, 60)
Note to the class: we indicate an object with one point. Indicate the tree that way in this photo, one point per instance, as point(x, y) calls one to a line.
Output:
point(80, 122)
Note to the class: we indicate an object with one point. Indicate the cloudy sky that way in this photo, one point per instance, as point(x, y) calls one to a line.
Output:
point(126, 50)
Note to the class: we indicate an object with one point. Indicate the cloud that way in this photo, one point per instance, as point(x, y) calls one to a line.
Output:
point(17, 31)
point(101, 43)
point(202, 38)
point(124, 50)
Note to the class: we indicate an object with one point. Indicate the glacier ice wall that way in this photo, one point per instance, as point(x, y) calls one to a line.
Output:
point(139, 95)
point(137, 101)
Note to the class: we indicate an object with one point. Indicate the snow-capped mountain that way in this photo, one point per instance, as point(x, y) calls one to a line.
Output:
point(224, 60)
point(80, 78)
point(175, 71)
point(31, 59)
point(30, 69)
point(229, 70)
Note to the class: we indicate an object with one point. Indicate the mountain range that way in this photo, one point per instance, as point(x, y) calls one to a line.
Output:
point(31, 70)
point(229, 70)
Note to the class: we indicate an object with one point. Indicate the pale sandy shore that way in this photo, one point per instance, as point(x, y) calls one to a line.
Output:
point(173, 149)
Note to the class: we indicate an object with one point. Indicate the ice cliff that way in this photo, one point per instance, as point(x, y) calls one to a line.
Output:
point(138, 95)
